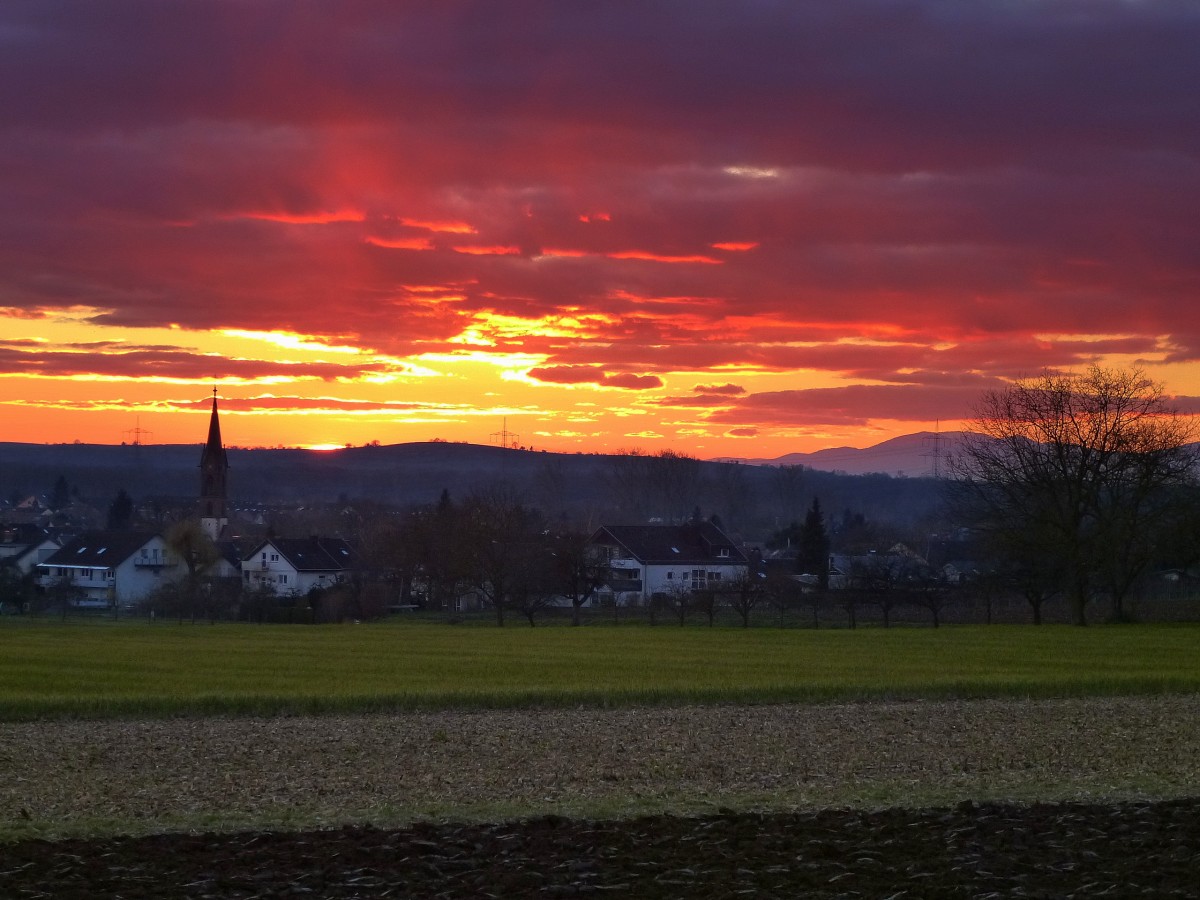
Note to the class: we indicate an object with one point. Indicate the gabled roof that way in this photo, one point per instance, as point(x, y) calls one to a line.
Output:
point(99, 549)
point(694, 542)
point(22, 533)
point(230, 552)
point(312, 554)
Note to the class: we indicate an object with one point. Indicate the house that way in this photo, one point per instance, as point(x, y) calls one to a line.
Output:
point(648, 560)
point(107, 568)
point(22, 547)
point(297, 565)
point(228, 563)
point(873, 571)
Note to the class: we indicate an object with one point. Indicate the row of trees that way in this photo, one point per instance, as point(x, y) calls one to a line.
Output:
point(1079, 483)
point(491, 545)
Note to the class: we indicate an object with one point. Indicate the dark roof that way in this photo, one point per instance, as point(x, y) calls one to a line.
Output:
point(22, 533)
point(99, 549)
point(694, 542)
point(231, 552)
point(312, 554)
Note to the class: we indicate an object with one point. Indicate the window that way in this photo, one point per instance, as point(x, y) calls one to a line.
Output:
point(670, 576)
point(247, 574)
point(714, 576)
point(282, 578)
point(723, 553)
point(697, 574)
point(274, 557)
point(85, 573)
point(145, 553)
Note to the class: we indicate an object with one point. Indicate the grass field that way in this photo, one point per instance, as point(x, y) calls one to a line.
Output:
point(134, 668)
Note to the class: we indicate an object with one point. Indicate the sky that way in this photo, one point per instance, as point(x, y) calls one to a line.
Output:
point(730, 229)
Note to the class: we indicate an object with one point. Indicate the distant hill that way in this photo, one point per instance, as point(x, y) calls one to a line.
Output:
point(908, 456)
point(750, 496)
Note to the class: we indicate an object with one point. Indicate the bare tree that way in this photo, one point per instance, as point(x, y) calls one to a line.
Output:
point(578, 570)
point(784, 592)
point(533, 586)
point(787, 482)
point(674, 482)
point(733, 494)
point(745, 593)
point(197, 553)
point(1091, 462)
point(497, 527)
point(875, 578)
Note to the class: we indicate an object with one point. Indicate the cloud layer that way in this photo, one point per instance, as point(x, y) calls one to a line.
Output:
point(743, 217)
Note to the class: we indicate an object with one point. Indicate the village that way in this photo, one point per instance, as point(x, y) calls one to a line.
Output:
point(490, 552)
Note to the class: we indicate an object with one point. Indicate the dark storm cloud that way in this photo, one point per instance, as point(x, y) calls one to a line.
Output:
point(978, 178)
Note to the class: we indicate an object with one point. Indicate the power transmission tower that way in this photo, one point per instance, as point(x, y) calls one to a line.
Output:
point(505, 438)
point(138, 433)
point(936, 443)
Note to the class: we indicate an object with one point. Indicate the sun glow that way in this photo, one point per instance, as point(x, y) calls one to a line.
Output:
point(291, 341)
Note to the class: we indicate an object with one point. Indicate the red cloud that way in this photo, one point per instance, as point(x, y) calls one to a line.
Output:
point(595, 375)
point(166, 363)
point(568, 374)
point(728, 390)
point(633, 382)
point(974, 198)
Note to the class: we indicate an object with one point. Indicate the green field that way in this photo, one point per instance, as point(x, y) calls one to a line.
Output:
point(132, 668)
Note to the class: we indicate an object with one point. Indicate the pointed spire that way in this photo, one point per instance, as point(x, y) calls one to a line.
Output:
point(213, 445)
point(214, 468)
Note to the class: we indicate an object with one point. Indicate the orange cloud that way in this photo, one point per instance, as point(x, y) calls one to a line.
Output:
point(663, 258)
point(444, 227)
point(415, 243)
point(494, 250)
point(314, 218)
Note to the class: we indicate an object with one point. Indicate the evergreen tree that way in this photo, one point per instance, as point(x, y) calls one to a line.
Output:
point(120, 511)
point(61, 495)
point(813, 550)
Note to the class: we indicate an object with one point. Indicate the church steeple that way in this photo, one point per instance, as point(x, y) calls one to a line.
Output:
point(214, 471)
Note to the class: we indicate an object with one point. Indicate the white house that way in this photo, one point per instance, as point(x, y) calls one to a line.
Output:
point(104, 568)
point(645, 560)
point(297, 565)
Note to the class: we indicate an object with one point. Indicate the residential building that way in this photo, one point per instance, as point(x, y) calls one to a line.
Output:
point(22, 547)
point(648, 560)
point(106, 568)
point(297, 565)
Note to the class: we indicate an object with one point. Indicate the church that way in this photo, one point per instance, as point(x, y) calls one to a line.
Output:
point(214, 479)
point(101, 569)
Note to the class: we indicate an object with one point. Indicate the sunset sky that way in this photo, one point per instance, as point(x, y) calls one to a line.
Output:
point(727, 228)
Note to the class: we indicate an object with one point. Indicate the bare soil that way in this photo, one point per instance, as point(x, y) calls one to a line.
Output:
point(982, 851)
point(1005, 798)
